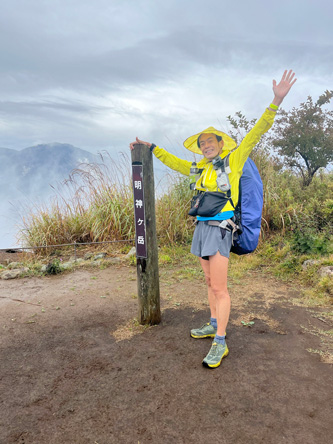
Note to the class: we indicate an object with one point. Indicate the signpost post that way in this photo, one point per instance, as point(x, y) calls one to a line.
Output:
point(145, 236)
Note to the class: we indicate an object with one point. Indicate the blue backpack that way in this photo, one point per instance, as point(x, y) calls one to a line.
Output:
point(248, 210)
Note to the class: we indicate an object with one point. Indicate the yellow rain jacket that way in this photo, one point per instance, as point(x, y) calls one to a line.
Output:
point(207, 180)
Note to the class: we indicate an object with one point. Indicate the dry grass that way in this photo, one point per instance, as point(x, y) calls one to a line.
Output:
point(94, 204)
point(130, 329)
point(326, 343)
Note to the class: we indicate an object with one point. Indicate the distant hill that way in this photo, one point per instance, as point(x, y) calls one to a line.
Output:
point(26, 177)
point(31, 171)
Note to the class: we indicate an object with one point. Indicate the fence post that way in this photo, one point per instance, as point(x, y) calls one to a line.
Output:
point(145, 236)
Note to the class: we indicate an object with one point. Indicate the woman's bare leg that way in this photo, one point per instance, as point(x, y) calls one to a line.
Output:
point(211, 297)
point(218, 267)
point(216, 274)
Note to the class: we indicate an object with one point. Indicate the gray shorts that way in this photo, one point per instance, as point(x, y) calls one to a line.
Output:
point(207, 241)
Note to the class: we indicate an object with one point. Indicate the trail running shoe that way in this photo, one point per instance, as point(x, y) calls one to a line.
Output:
point(215, 355)
point(206, 331)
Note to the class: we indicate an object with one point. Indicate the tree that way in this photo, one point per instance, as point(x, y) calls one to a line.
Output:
point(240, 126)
point(304, 136)
point(262, 152)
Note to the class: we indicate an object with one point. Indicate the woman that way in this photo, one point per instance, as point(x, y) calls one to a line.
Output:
point(212, 243)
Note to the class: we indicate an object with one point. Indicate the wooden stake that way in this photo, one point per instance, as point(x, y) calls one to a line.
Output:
point(146, 239)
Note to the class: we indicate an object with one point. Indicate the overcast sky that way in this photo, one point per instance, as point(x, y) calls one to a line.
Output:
point(97, 73)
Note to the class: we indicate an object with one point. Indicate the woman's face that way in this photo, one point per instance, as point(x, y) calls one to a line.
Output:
point(209, 145)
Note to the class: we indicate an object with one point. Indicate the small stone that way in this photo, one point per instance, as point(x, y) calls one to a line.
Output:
point(99, 256)
point(10, 274)
point(74, 261)
point(131, 253)
point(83, 263)
point(114, 260)
point(326, 271)
point(66, 265)
point(309, 263)
point(43, 268)
point(87, 256)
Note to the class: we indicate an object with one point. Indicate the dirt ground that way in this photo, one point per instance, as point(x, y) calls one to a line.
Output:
point(76, 367)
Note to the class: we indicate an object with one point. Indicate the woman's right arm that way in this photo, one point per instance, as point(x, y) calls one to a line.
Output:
point(173, 162)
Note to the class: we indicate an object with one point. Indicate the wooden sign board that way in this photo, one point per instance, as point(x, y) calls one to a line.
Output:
point(139, 211)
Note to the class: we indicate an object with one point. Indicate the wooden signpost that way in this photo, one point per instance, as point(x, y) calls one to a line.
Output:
point(145, 236)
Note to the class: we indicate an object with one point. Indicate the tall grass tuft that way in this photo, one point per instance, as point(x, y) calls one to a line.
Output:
point(172, 221)
point(94, 204)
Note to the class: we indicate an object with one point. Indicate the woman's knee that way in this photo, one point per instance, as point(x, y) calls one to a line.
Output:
point(220, 292)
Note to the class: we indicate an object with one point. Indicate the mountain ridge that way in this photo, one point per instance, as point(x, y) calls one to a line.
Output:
point(32, 169)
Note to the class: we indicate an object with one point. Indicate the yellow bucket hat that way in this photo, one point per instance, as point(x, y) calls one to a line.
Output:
point(192, 145)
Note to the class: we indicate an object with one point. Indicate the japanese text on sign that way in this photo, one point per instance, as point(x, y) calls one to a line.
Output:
point(139, 212)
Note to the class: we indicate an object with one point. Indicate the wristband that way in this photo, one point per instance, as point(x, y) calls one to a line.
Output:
point(152, 146)
point(272, 106)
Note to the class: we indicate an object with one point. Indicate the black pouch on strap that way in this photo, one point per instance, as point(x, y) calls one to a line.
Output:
point(207, 204)
point(195, 202)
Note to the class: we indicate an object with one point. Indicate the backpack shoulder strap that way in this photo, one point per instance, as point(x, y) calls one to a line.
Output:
point(227, 163)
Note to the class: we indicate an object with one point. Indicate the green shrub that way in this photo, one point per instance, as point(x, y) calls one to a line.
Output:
point(53, 267)
point(290, 265)
point(304, 242)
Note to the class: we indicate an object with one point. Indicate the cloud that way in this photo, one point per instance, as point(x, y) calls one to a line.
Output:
point(94, 73)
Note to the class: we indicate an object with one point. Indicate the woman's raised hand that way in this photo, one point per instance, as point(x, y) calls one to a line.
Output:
point(283, 87)
point(139, 142)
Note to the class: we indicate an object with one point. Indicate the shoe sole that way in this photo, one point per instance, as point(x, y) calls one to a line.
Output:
point(205, 364)
point(202, 337)
point(206, 336)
